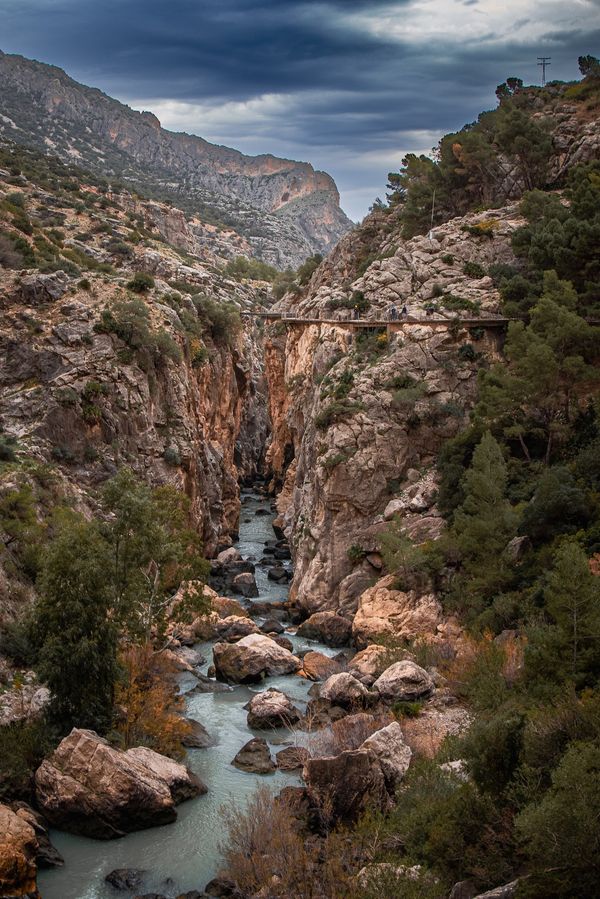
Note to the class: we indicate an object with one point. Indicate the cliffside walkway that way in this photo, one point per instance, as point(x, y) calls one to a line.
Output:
point(391, 325)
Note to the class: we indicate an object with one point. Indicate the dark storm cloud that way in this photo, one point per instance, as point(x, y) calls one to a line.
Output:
point(347, 84)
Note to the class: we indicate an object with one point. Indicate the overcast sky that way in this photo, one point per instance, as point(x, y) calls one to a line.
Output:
point(348, 85)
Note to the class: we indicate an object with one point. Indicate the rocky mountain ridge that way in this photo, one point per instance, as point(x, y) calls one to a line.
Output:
point(93, 375)
point(284, 210)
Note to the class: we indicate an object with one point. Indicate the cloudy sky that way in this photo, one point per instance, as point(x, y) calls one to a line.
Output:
point(349, 85)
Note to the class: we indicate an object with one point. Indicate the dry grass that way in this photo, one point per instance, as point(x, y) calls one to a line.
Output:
point(348, 733)
point(267, 851)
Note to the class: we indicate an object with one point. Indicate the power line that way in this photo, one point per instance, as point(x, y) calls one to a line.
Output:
point(544, 61)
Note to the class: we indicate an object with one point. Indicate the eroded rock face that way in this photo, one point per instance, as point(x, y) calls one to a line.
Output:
point(351, 458)
point(392, 752)
point(369, 663)
point(271, 709)
point(328, 627)
point(404, 681)
point(384, 611)
point(292, 758)
point(252, 658)
point(343, 785)
point(18, 848)
point(86, 786)
point(344, 690)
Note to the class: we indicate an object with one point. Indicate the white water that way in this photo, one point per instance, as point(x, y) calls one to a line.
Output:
point(185, 855)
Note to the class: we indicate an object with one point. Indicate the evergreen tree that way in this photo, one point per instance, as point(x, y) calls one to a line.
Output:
point(77, 638)
point(152, 552)
point(534, 397)
point(483, 525)
point(573, 602)
point(561, 832)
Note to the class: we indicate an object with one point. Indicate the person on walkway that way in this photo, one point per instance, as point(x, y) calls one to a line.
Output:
point(393, 313)
point(404, 311)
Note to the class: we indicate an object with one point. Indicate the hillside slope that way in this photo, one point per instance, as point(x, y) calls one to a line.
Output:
point(284, 209)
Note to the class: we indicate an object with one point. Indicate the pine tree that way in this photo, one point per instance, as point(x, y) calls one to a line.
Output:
point(573, 601)
point(483, 525)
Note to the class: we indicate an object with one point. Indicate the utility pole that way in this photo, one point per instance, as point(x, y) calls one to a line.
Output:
point(544, 61)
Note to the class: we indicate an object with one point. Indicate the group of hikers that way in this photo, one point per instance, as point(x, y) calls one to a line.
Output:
point(393, 313)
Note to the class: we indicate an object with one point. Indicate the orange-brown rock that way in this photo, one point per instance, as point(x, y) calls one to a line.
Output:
point(369, 663)
point(318, 666)
point(18, 847)
point(384, 611)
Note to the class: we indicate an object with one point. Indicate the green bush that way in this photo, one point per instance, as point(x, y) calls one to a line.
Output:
point(8, 447)
point(308, 267)
point(459, 304)
point(467, 353)
point(23, 746)
point(165, 347)
point(334, 412)
point(172, 456)
point(17, 643)
point(560, 832)
point(473, 270)
point(254, 269)
point(222, 318)
point(355, 553)
point(404, 709)
point(141, 282)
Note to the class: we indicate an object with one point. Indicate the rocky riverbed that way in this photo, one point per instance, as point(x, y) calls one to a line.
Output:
point(184, 855)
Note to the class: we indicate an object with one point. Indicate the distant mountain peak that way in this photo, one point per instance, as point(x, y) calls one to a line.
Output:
point(282, 210)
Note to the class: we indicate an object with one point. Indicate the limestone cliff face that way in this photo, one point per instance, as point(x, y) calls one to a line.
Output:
point(75, 396)
point(356, 419)
point(284, 210)
point(159, 392)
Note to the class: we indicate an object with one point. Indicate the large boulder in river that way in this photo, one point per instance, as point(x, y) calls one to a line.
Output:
point(252, 658)
point(405, 681)
point(245, 584)
point(224, 606)
point(181, 782)
point(18, 849)
point(255, 757)
point(344, 690)
point(384, 611)
point(87, 786)
point(328, 627)
point(197, 736)
point(234, 627)
point(271, 709)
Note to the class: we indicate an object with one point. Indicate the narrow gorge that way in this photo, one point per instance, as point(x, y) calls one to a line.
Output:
point(287, 560)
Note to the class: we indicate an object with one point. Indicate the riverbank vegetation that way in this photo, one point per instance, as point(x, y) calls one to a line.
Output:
point(107, 589)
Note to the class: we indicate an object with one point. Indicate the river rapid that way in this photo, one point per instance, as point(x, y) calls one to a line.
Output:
point(185, 855)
